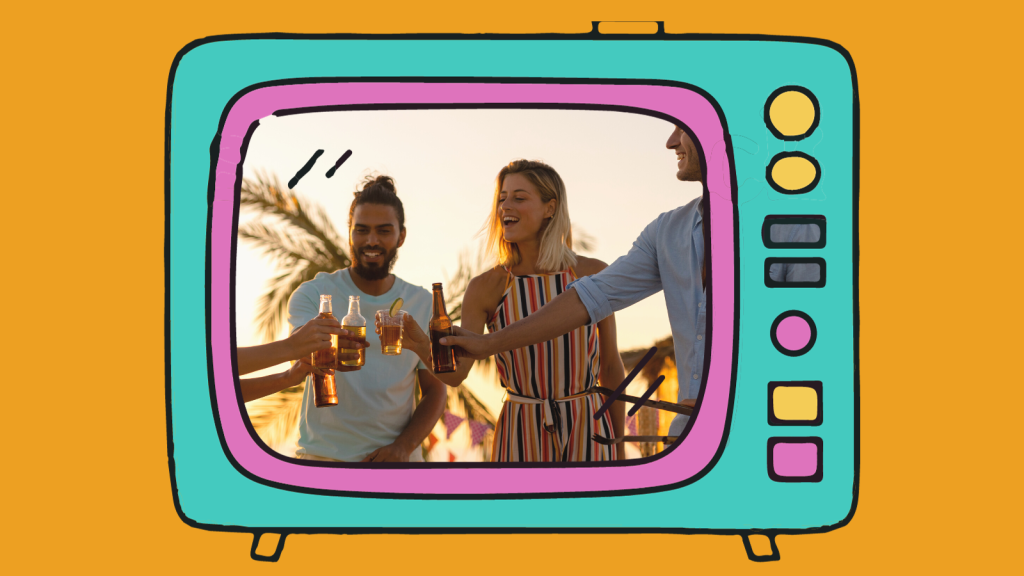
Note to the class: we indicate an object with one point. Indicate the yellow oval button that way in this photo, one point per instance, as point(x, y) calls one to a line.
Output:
point(793, 173)
point(792, 114)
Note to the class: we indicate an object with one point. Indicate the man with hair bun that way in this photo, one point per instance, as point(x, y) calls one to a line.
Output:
point(375, 419)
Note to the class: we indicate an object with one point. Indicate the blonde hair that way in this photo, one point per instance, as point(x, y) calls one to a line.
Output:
point(555, 252)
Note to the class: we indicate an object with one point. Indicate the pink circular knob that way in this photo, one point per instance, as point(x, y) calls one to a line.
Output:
point(793, 333)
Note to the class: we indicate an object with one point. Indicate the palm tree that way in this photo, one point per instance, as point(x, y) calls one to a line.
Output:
point(301, 241)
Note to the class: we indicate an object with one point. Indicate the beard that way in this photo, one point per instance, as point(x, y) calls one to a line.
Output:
point(373, 271)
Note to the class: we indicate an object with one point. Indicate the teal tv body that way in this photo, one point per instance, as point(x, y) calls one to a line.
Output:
point(739, 469)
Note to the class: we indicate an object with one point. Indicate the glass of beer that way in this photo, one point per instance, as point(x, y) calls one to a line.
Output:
point(390, 332)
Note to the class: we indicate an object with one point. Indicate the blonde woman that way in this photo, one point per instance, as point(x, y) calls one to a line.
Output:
point(551, 400)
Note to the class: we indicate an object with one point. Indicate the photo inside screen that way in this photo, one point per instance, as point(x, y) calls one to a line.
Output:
point(618, 174)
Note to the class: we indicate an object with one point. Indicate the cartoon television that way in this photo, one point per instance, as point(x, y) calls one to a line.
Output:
point(772, 443)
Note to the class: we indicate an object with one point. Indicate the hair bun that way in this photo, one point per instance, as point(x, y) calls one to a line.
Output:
point(380, 183)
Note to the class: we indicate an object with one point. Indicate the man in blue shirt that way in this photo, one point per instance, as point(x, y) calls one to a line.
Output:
point(669, 252)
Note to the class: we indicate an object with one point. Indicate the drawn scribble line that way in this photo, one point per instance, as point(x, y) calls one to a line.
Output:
point(305, 168)
point(622, 387)
point(339, 163)
point(646, 395)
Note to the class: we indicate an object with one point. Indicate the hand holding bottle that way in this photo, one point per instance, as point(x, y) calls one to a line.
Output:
point(316, 335)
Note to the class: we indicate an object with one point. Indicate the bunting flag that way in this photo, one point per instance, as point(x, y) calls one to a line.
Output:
point(451, 422)
point(431, 441)
point(631, 425)
point(451, 457)
point(477, 431)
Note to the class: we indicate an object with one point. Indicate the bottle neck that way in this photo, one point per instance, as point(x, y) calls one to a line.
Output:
point(353, 307)
point(325, 306)
point(439, 309)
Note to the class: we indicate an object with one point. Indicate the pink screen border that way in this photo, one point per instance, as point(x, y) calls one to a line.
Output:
point(686, 460)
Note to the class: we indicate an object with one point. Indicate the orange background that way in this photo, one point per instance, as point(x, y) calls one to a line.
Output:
point(86, 480)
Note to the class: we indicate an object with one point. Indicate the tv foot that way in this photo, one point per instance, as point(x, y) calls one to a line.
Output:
point(751, 555)
point(277, 551)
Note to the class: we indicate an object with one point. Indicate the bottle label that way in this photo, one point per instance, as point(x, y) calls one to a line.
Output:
point(360, 333)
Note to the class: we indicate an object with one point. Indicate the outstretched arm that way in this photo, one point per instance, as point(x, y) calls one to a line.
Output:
point(561, 315)
point(626, 281)
point(254, 388)
point(308, 338)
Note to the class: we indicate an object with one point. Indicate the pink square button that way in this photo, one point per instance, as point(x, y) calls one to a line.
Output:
point(795, 459)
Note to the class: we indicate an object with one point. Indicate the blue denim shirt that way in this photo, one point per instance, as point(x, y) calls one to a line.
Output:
point(666, 256)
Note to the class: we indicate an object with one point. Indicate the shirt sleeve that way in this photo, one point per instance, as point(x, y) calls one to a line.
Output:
point(303, 306)
point(628, 280)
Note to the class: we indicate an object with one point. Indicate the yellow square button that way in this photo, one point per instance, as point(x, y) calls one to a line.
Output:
point(795, 403)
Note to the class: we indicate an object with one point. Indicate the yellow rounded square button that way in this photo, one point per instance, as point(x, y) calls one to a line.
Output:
point(795, 403)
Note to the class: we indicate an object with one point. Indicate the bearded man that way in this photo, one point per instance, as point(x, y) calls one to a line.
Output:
point(375, 419)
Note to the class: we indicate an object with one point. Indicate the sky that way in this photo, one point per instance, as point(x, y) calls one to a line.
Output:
point(618, 174)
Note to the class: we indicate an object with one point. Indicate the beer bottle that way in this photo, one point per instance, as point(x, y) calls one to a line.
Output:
point(442, 357)
point(356, 325)
point(325, 393)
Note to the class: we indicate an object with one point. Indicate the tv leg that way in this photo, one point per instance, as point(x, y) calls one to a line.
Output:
point(256, 542)
point(774, 556)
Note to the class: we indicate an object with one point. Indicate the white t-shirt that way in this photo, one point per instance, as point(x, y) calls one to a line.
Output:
point(375, 403)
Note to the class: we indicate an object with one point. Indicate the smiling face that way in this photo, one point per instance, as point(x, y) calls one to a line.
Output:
point(521, 211)
point(373, 239)
point(686, 154)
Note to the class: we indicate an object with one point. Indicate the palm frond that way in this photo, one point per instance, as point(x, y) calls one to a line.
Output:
point(273, 305)
point(283, 248)
point(307, 244)
point(265, 195)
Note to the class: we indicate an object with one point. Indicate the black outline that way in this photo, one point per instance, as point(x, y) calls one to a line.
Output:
point(768, 282)
point(625, 383)
point(305, 169)
point(782, 156)
point(647, 394)
point(766, 234)
point(596, 36)
point(810, 343)
point(818, 475)
point(813, 384)
point(814, 101)
point(330, 173)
